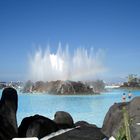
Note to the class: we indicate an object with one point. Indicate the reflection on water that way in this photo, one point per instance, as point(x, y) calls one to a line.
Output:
point(89, 108)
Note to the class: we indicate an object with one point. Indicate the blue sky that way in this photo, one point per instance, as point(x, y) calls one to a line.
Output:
point(111, 25)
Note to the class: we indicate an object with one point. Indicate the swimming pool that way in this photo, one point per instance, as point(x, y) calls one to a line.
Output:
point(90, 108)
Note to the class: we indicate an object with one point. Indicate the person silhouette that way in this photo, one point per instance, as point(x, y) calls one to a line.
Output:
point(129, 95)
point(124, 97)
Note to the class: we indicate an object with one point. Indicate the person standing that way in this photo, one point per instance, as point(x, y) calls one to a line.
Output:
point(129, 95)
point(124, 97)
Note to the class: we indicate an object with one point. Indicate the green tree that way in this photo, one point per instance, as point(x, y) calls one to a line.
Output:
point(132, 78)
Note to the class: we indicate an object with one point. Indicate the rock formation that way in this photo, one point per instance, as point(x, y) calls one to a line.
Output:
point(8, 109)
point(58, 87)
point(36, 126)
point(114, 119)
point(63, 120)
point(83, 131)
point(40, 126)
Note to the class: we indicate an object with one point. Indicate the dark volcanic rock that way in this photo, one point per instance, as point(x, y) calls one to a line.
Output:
point(40, 86)
point(63, 120)
point(58, 87)
point(84, 132)
point(28, 86)
point(134, 112)
point(36, 126)
point(24, 125)
point(63, 87)
point(8, 109)
point(114, 119)
point(84, 123)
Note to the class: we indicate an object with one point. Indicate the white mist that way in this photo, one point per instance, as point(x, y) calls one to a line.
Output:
point(82, 65)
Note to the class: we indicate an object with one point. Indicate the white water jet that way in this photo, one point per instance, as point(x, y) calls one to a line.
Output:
point(80, 65)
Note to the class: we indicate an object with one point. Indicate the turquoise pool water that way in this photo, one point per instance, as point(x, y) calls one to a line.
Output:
point(88, 107)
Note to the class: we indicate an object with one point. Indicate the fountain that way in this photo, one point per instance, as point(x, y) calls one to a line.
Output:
point(83, 64)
